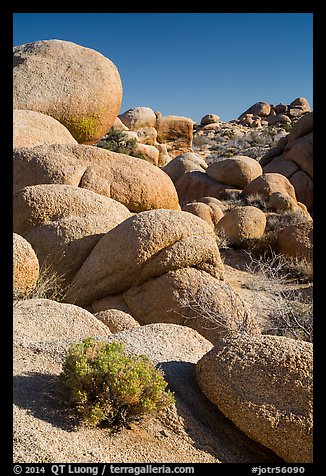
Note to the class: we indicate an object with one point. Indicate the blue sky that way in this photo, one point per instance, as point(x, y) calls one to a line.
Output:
point(192, 64)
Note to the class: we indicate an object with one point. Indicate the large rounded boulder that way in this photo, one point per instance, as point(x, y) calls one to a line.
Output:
point(264, 385)
point(268, 183)
point(42, 204)
point(64, 223)
point(26, 266)
point(194, 298)
point(296, 240)
point(138, 118)
point(78, 86)
point(64, 244)
point(209, 211)
point(44, 320)
point(236, 171)
point(183, 163)
point(144, 246)
point(31, 128)
point(242, 224)
point(131, 181)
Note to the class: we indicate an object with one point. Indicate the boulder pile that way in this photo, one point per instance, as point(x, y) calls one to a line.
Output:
point(293, 157)
point(134, 246)
point(264, 114)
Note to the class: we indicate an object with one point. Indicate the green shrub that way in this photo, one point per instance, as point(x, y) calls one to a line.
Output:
point(286, 126)
point(117, 141)
point(109, 387)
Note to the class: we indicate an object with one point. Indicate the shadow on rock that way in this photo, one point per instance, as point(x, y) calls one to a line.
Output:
point(44, 398)
point(209, 429)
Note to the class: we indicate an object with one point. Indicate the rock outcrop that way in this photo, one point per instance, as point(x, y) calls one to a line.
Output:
point(64, 223)
point(138, 117)
point(176, 132)
point(242, 225)
point(237, 171)
point(77, 86)
point(145, 246)
point(262, 113)
point(131, 181)
point(31, 128)
point(193, 298)
point(293, 157)
point(26, 267)
point(264, 385)
point(296, 240)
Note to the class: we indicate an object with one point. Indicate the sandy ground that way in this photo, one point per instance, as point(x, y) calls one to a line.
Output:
point(192, 431)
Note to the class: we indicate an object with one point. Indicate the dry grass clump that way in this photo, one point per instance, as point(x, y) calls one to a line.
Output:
point(276, 221)
point(49, 285)
point(290, 313)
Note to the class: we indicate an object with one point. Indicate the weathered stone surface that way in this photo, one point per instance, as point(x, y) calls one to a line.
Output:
point(44, 320)
point(209, 119)
point(26, 266)
point(110, 302)
point(150, 153)
point(237, 171)
point(267, 184)
point(302, 127)
point(177, 132)
point(209, 212)
point(242, 224)
point(278, 118)
point(64, 244)
point(296, 240)
point(303, 186)
point(47, 164)
point(261, 109)
point(275, 151)
point(129, 180)
point(193, 298)
point(264, 385)
point(31, 128)
point(281, 108)
point(280, 202)
point(147, 135)
point(183, 163)
point(76, 85)
point(279, 165)
point(116, 320)
point(146, 245)
point(194, 185)
point(138, 117)
point(300, 151)
point(42, 204)
point(300, 103)
point(212, 127)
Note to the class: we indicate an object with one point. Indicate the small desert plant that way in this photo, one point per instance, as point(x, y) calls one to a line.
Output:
point(231, 200)
point(117, 141)
point(299, 268)
point(290, 314)
point(256, 200)
point(223, 242)
point(230, 316)
point(109, 387)
point(286, 126)
point(49, 285)
point(276, 221)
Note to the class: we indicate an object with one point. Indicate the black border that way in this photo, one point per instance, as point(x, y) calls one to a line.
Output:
point(227, 6)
